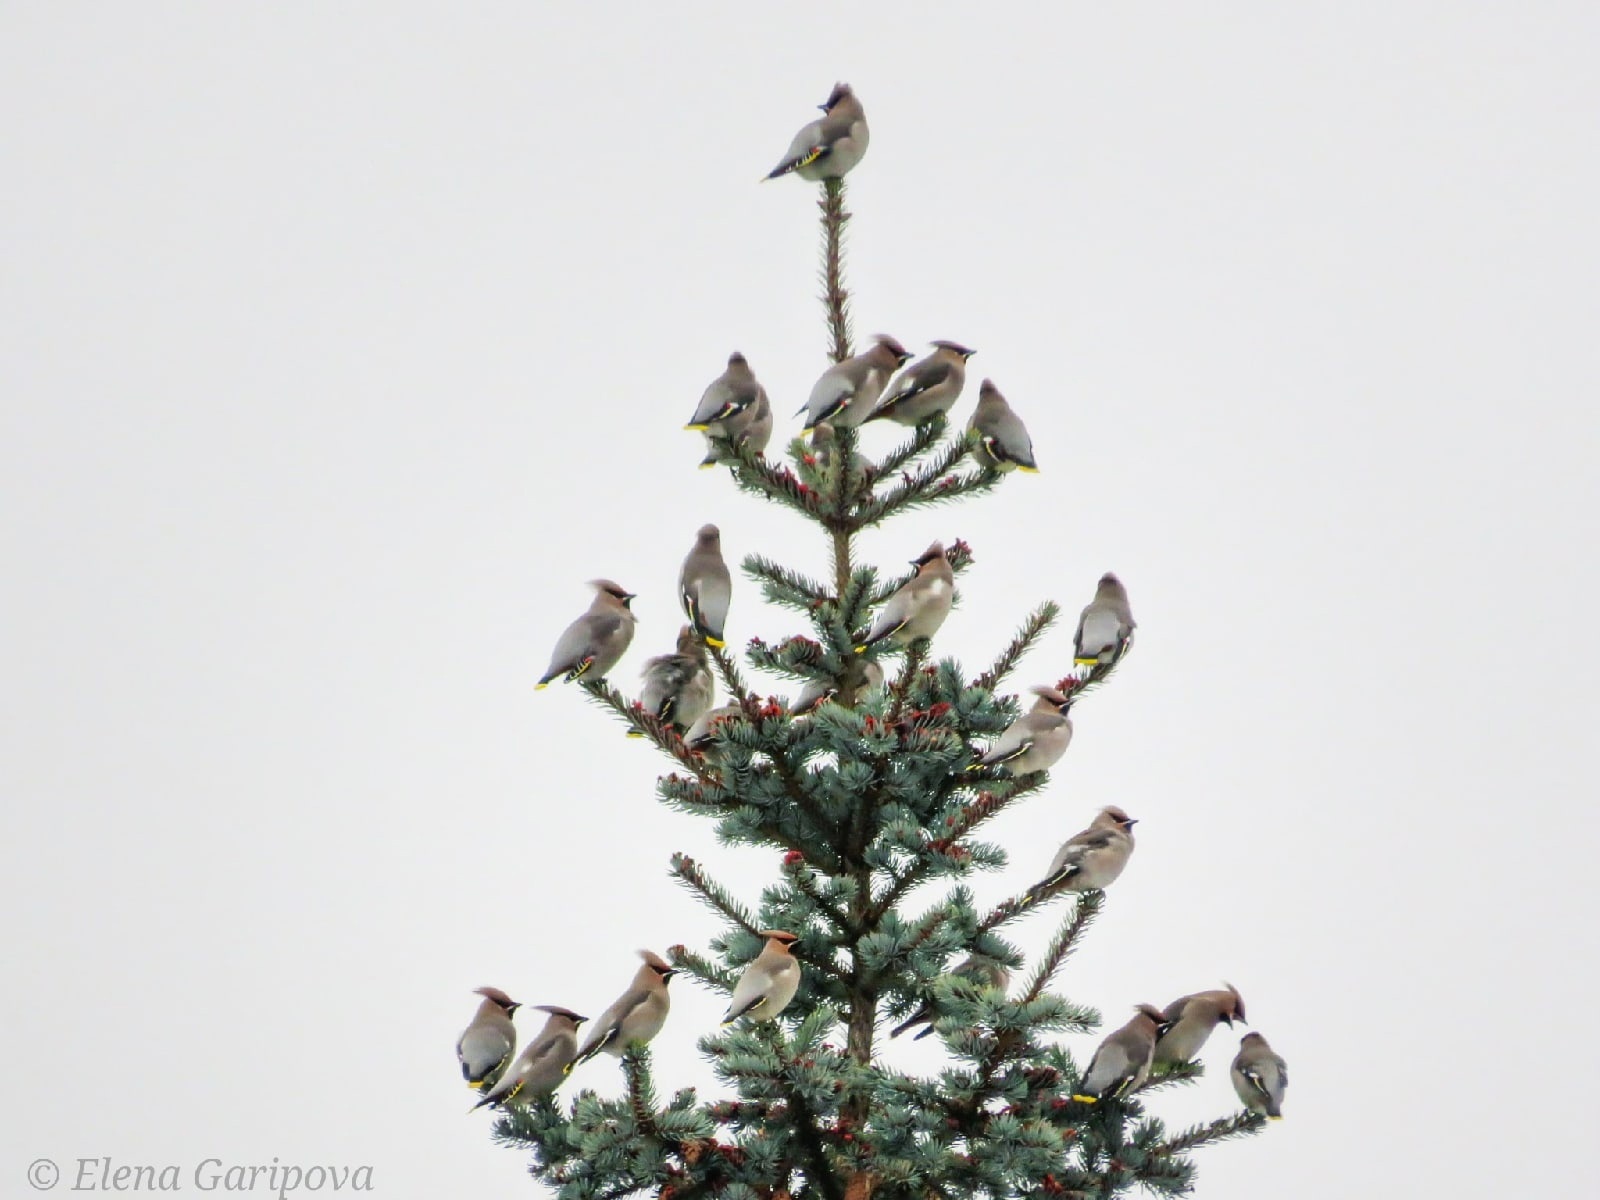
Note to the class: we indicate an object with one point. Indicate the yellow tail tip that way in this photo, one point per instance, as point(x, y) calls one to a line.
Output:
point(696, 428)
point(634, 733)
point(1027, 470)
point(539, 687)
point(1087, 662)
point(806, 432)
point(861, 649)
point(1279, 1117)
point(706, 466)
point(716, 643)
point(1086, 1099)
point(474, 1084)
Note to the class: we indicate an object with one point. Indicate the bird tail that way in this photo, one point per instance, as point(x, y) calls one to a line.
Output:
point(907, 1024)
point(794, 164)
point(1087, 662)
point(1081, 1099)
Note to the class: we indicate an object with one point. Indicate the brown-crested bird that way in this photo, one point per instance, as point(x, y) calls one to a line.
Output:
point(1003, 441)
point(594, 643)
point(928, 388)
point(705, 589)
point(824, 444)
point(678, 688)
point(828, 148)
point(638, 1014)
point(1037, 739)
point(865, 675)
point(976, 969)
point(845, 393)
point(1260, 1077)
point(1105, 628)
point(700, 735)
point(1187, 1022)
point(542, 1066)
point(489, 1042)
point(734, 411)
point(1092, 859)
point(768, 983)
point(919, 606)
point(1122, 1063)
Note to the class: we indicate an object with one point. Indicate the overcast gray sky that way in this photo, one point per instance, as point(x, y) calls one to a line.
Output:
point(339, 344)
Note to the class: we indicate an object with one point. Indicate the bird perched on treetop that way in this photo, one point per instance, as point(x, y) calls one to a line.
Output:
point(828, 148)
point(920, 605)
point(768, 983)
point(1187, 1022)
point(845, 393)
point(864, 675)
point(929, 387)
point(638, 1014)
point(734, 411)
point(701, 732)
point(487, 1044)
point(541, 1067)
point(1092, 859)
point(1003, 441)
point(678, 687)
point(1036, 740)
point(1122, 1063)
point(594, 643)
point(1260, 1077)
point(1105, 628)
point(975, 969)
point(705, 588)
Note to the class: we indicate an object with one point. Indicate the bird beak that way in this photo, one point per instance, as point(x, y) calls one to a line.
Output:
point(1132, 821)
point(1228, 1019)
point(666, 975)
point(823, 107)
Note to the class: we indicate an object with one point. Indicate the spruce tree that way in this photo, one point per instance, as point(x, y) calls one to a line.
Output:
point(869, 796)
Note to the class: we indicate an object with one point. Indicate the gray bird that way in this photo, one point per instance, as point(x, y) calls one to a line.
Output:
point(487, 1044)
point(975, 969)
point(1187, 1022)
point(594, 643)
point(1260, 1077)
point(1036, 740)
point(701, 732)
point(542, 1066)
point(750, 430)
point(824, 445)
point(868, 678)
point(830, 147)
point(1105, 628)
point(845, 393)
point(733, 411)
point(1122, 1063)
point(638, 1014)
point(920, 605)
point(768, 983)
point(678, 688)
point(1092, 859)
point(705, 587)
point(928, 388)
point(1003, 441)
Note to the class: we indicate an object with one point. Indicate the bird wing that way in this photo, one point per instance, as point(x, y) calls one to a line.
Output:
point(810, 144)
point(918, 379)
point(481, 1051)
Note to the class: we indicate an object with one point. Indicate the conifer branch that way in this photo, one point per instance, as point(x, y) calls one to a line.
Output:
point(701, 968)
point(1241, 1124)
point(665, 737)
point(922, 439)
point(1037, 623)
point(641, 1095)
point(932, 482)
point(834, 297)
point(1061, 946)
point(800, 873)
point(715, 897)
point(780, 585)
point(734, 682)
